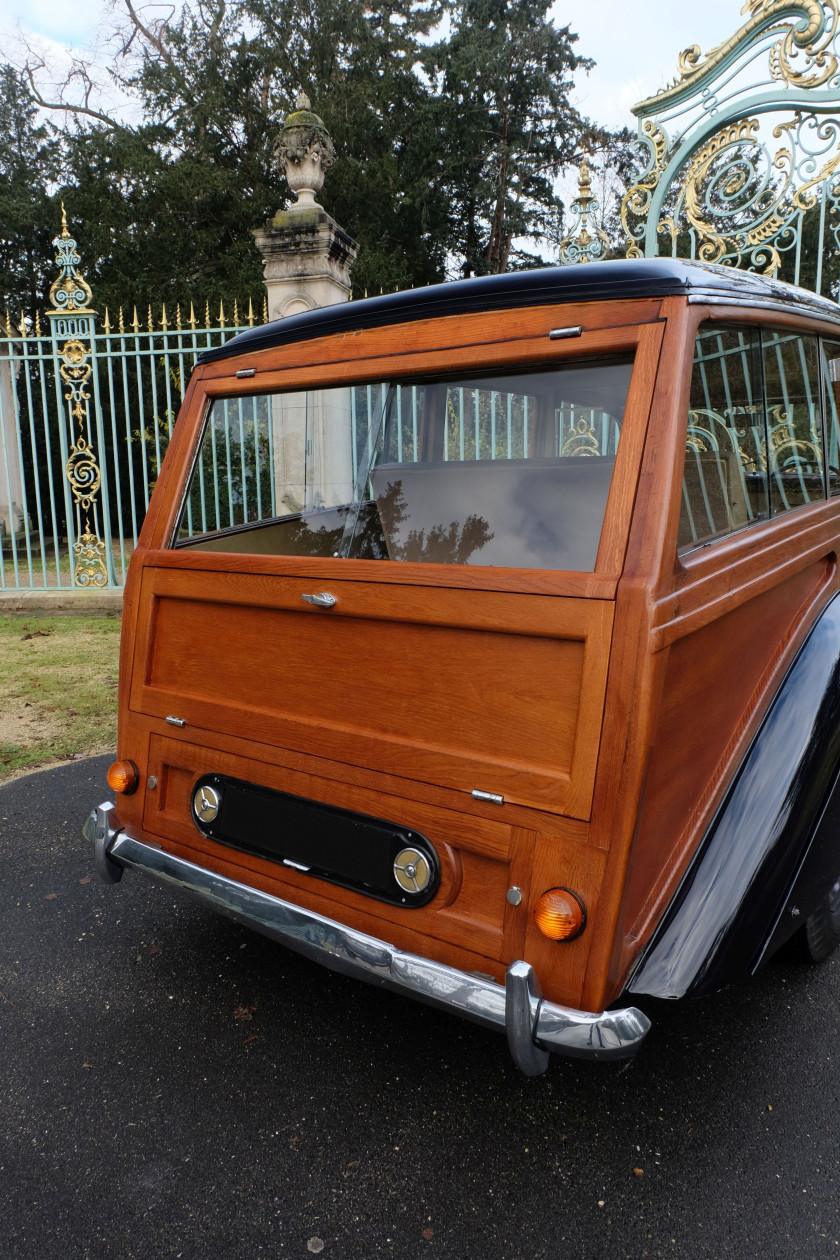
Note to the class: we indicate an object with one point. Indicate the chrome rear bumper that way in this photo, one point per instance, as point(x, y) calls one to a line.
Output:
point(534, 1026)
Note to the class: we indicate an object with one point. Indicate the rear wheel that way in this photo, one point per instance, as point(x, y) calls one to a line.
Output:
point(820, 934)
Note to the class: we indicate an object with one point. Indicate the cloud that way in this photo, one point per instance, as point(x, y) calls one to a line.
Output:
point(636, 47)
point(71, 25)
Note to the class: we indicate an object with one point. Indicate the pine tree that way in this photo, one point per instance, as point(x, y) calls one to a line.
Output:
point(508, 127)
point(451, 120)
point(29, 166)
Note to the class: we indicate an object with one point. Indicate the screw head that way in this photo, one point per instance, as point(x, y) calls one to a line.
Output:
point(514, 896)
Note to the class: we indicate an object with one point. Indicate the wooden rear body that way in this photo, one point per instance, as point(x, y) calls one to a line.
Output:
point(599, 715)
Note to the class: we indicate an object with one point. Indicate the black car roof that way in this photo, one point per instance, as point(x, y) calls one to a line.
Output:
point(547, 286)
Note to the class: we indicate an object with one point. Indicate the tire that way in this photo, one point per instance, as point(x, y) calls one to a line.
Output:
point(820, 934)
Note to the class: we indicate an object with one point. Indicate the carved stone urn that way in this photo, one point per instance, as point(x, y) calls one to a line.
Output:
point(306, 256)
point(304, 151)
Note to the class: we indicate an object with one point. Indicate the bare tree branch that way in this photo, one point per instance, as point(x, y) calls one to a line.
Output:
point(153, 36)
point(78, 73)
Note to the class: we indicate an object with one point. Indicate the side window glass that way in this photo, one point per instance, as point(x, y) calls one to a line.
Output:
point(725, 483)
point(794, 419)
point(830, 356)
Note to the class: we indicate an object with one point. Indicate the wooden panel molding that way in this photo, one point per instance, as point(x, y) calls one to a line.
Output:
point(466, 690)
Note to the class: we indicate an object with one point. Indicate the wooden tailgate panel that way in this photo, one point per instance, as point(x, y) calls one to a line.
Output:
point(466, 690)
point(479, 858)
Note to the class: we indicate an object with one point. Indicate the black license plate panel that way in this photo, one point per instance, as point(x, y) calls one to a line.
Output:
point(354, 850)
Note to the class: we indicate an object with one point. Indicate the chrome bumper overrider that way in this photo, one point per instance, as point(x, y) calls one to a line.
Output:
point(534, 1026)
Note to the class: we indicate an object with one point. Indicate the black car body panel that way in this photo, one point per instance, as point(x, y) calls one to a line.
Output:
point(773, 850)
point(548, 286)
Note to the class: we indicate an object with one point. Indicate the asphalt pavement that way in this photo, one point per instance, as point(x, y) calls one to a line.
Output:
point(174, 1086)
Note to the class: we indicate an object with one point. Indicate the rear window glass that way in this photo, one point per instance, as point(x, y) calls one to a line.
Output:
point(509, 470)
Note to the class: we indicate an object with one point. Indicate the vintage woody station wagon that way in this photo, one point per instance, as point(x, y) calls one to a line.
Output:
point(483, 642)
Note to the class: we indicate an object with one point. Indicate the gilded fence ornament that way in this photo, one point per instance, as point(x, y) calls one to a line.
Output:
point(733, 429)
point(811, 29)
point(72, 319)
point(582, 440)
point(751, 177)
point(586, 242)
point(69, 292)
point(637, 200)
point(722, 175)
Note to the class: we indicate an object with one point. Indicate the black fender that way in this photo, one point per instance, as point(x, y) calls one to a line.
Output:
point(772, 851)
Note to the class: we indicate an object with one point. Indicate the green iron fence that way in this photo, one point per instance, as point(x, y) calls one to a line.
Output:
point(87, 407)
point(742, 150)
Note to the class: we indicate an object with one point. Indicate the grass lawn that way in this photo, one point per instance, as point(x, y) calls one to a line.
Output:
point(58, 689)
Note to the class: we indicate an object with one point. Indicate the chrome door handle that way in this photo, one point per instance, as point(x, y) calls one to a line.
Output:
point(322, 600)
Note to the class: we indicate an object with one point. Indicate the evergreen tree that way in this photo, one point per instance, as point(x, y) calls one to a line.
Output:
point(29, 167)
point(508, 128)
point(451, 120)
point(173, 201)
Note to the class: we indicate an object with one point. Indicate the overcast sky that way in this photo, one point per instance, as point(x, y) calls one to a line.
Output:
point(634, 42)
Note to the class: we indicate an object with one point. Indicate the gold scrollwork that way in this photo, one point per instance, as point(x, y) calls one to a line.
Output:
point(582, 440)
point(787, 450)
point(75, 371)
point(713, 244)
point(763, 232)
point(70, 294)
point(90, 567)
point(813, 39)
point(636, 201)
point(581, 244)
point(713, 431)
point(74, 353)
point(807, 196)
point(82, 471)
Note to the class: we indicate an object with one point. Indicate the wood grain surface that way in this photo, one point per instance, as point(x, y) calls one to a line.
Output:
point(607, 709)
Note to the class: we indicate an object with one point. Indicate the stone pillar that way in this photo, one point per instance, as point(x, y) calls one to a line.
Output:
point(307, 257)
point(11, 490)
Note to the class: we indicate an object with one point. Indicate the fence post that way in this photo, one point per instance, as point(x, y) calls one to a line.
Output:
point(72, 322)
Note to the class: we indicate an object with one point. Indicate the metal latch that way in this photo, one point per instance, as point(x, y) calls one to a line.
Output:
point(322, 600)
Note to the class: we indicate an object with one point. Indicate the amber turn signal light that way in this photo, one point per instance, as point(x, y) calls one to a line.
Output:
point(123, 776)
point(560, 915)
